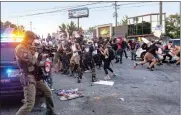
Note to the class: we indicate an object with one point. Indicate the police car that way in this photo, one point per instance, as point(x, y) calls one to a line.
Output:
point(10, 85)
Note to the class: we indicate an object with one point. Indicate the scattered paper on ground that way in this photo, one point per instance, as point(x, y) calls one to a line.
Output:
point(104, 82)
point(43, 105)
point(69, 94)
point(122, 99)
point(97, 98)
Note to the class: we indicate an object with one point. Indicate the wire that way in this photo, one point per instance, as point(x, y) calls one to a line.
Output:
point(55, 7)
point(62, 10)
point(129, 6)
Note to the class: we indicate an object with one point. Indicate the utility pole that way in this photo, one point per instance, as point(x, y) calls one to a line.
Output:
point(116, 16)
point(18, 24)
point(31, 25)
point(160, 12)
point(78, 23)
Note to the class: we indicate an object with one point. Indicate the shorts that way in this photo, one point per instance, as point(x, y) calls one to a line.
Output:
point(148, 57)
point(155, 56)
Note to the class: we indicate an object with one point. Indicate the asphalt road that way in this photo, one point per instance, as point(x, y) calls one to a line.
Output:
point(135, 92)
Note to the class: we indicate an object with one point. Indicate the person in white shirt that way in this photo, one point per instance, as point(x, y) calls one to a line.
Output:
point(75, 59)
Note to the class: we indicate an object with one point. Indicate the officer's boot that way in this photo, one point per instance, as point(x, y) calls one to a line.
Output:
point(50, 106)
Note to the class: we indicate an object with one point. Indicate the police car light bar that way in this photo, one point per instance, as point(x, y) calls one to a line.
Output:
point(11, 39)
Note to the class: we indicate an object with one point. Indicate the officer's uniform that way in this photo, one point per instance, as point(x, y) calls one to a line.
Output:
point(26, 61)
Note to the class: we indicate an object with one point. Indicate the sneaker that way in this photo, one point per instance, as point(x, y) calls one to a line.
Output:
point(150, 69)
point(87, 71)
point(114, 75)
point(107, 77)
point(71, 75)
point(135, 65)
point(94, 80)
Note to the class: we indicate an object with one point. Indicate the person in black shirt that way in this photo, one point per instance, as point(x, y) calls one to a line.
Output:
point(124, 47)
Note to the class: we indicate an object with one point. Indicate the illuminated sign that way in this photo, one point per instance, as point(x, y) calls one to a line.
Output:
point(104, 31)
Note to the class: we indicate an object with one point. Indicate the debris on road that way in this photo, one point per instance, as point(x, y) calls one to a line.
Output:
point(69, 94)
point(134, 87)
point(43, 105)
point(97, 98)
point(122, 99)
point(111, 83)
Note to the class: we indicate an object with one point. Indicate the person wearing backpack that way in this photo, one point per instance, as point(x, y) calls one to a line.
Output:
point(108, 57)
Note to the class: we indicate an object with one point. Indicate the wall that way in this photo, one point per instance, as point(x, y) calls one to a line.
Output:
point(120, 31)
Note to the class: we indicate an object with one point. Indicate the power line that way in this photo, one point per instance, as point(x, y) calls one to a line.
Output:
point(62, 10)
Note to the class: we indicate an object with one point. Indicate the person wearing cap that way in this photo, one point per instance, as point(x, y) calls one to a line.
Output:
point(27, 60)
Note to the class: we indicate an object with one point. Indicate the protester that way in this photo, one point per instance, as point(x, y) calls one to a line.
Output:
point(151, 56)
point(119, 51)
point(125, 47)
point(107, 61)
point(132, 47)
point(166, 51)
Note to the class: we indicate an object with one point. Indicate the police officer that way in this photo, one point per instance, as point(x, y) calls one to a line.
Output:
point(27, 60)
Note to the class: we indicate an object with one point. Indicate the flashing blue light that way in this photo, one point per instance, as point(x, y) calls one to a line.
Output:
point(9, 70)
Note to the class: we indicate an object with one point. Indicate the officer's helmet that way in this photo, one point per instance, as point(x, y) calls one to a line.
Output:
point(29, 35)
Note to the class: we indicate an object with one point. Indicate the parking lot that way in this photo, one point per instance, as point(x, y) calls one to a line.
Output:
point(135, 92)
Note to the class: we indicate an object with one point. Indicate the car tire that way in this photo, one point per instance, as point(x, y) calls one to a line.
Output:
point(142, 55)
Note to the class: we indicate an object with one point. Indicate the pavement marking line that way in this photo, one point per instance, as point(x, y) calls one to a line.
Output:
point(111, 83)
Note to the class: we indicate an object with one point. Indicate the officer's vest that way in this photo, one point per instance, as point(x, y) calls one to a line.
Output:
point(23, 65)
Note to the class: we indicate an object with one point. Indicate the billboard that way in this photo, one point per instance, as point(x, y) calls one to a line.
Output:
point(78, 13)
point(104, 30)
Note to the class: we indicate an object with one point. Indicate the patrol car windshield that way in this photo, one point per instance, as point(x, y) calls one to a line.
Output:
point(7, 51)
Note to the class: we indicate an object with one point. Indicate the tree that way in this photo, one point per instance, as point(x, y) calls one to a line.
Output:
point(17, 29)
point(2, 27)
point(173, 26)
point(7, 24)
point(71, 28)
point(63, 28)
point(91, 29)
point(124, 21)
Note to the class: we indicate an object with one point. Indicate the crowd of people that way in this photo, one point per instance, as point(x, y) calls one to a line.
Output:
point(75, 56)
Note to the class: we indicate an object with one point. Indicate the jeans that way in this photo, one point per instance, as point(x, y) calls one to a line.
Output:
point(119, 55)
point(124, 51)
point(167, 55)
point(133, 54)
